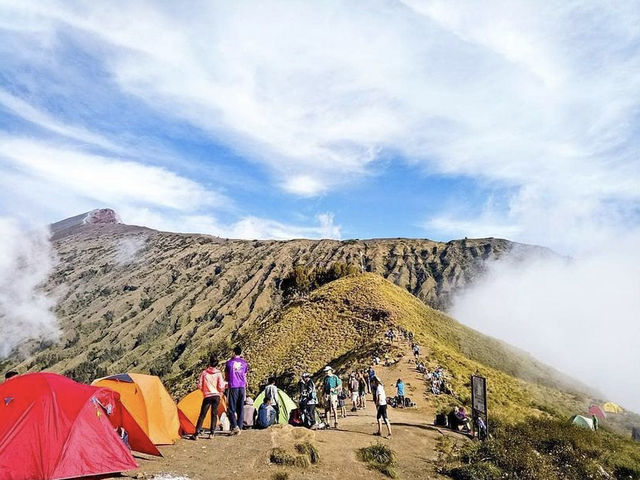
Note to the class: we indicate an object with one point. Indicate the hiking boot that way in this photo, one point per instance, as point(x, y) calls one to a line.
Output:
point(335, 425)
point(235, 431)
point(193, 437)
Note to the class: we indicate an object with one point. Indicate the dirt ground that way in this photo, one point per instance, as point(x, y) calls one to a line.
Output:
point(247, 455)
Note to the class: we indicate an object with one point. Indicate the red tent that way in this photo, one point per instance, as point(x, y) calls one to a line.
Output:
point(598, 411)
point(53, 428)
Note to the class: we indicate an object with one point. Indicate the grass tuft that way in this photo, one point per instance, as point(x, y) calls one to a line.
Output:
point(279, 456)
point(381, 458)
point(307, 448)
point(280, 476)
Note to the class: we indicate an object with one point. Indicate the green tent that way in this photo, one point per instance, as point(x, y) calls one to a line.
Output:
point(285, 402)
point(584, 422)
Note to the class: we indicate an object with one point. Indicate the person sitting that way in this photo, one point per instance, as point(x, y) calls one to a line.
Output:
point(458, 418)
point(248, 413)
point(266, 415)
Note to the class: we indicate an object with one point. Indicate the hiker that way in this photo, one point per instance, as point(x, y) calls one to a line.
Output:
point(371, 375)
point(354, 386)
point(416, 350)
point(400, 392)
point(331, 387)
point(236, 371)
point(342, 403)
point(365, 375)
point(266, 414)
point(381, 404)
point(271, 391)
point(362, 394)
point(248, 413)
point(212, 385)
point(308, 399)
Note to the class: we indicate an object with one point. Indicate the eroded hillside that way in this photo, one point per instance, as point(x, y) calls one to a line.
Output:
point(135, 298)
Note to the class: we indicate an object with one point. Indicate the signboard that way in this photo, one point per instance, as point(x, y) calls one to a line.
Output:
point(479, 406)
point(479, 394)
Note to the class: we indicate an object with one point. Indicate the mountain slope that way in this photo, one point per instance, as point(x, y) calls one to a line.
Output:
point(135, 298)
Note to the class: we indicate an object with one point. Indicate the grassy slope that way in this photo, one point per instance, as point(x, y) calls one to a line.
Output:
point(344, 321)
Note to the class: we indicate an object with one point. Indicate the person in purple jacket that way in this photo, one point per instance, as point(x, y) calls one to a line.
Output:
point(236, 372)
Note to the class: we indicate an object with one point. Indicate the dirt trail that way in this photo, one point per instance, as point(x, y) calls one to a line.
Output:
point(247, 455)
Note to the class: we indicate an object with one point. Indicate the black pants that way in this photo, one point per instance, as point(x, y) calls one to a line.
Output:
point(213, 402)
point(310, 414)
point(235, 406)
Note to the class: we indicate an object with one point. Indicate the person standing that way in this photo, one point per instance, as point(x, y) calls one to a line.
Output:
point(271, 392)
point(362, 394)
point(354, 389)
point(212, 385)
point(400, 392)
point(236, 371)
point(331, 387)
point(308, 399)
point(381, 404)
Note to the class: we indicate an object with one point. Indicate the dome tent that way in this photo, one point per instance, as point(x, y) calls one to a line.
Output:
point(190, 406)
point(53, 428)
point(611, 407)
point(285, 402)
point(584, 422)
point(149, 403)
point(598, 411)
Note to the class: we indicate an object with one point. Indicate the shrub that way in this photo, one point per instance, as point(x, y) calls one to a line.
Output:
point(280, 476)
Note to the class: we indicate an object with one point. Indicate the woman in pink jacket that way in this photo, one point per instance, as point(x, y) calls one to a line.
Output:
point(212, 384)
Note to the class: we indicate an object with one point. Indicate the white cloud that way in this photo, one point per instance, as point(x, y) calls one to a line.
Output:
point(246, 228)
point(108, 180)
point(26, 261)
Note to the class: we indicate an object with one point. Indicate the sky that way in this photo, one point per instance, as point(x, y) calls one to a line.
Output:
point(436, 119)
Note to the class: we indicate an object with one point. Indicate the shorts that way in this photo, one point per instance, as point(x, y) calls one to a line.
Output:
point(354, 397)
point(330, 401)
point(382, 412)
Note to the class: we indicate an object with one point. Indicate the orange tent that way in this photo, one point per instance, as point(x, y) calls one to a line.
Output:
point(190, 407)
point(148, 402)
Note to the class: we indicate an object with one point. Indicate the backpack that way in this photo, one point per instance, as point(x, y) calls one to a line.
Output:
point(441, 420)
point(407, 402)
point(295, 418)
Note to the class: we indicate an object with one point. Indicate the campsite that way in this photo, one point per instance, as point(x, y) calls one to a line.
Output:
point(296, 240)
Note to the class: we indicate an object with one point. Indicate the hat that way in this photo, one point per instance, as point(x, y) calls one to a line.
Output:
point(328, 369)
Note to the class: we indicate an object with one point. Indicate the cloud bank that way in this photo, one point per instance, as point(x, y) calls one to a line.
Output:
point(26, 261)
point(580, 315)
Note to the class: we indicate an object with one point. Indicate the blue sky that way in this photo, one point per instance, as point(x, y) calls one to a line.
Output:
point(337, 119)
